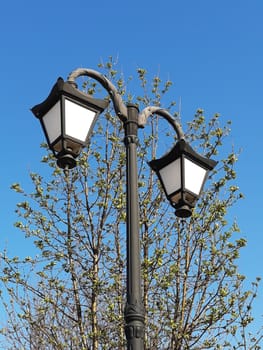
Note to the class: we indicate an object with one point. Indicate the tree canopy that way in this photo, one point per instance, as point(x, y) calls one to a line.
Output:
point(70, 294)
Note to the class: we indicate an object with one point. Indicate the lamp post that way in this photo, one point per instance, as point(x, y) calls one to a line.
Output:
point(67, 117)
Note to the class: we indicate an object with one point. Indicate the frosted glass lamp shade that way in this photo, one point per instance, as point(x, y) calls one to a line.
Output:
point(67, 117)
point(182, 173)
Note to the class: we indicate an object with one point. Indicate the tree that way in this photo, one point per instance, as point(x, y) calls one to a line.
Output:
point(71, 293)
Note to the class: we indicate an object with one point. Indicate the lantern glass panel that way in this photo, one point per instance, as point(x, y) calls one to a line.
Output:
point(194, 176)
point(171, 176)
point(52, 122)
point(78, 120)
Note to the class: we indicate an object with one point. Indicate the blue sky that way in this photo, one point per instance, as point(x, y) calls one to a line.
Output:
point(211, 50)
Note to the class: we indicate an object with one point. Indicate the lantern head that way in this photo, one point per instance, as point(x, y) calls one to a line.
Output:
point(182, 173)
point(67, 117)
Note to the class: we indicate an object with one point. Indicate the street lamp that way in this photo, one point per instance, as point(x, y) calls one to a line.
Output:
point(67, 117)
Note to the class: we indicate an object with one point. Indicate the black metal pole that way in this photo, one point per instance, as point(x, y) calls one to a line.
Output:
point(134, 312)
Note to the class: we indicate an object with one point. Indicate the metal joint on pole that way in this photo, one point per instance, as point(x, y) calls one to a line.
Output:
point(130, 139)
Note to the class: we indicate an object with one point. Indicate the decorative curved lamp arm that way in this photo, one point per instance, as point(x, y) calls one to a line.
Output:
point(119, 106)
point(144, 115)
